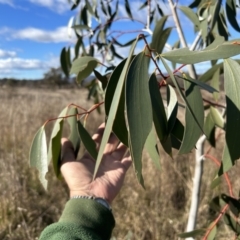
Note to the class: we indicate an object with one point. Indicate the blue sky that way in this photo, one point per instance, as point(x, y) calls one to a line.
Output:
point(33, 32)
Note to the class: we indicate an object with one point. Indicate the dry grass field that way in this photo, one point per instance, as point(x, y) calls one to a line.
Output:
point(158, 212)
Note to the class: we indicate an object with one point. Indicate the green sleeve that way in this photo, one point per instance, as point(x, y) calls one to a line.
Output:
point(82, 219)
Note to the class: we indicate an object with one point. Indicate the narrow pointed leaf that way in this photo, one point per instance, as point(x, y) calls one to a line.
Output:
point(185, 56)
point(199, 83)
point(38, 155)
point(56, 149)
point(159, 114)
point(215, 83)
point(231, 86)
point(195, 3)
point(217, 118)
point(87, 140)
point(139, 109)
point(232, 223)
point(189, 108)
point(101, 78)
point(232, 14)
point(63, 60)
point(208, 75)
point(128, 10)
point(156, 38)
point(212, 233)
point(209, 129)
point(192, 131)
point(234, 204)
point(172, 107)
point(74, 135)
point(119, 124)
point(113, 109)
point(83, 67)
point(191, 15)
point(152, 148)
point(55, 131)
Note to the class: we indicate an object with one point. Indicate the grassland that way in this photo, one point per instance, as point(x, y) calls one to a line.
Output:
point(158, 212)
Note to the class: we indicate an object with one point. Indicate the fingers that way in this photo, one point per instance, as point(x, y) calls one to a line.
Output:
point(112, 142)
point(67, 151)
point(97, 137)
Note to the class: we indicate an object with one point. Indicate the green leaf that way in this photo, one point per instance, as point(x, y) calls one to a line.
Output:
point(192, 131)
point(158, 30)
point(191, 15)
point(113, 108)
point(210, 73)
point(195, 3)
point(158, 110)
point(234, 204)
point(54, 150)
point(101, 78)
point(74, 135)
point(172, 107)
point(178, 130)
point(194, 233)
point(139, 109)
point(199, 123)
point(128, 10)
point(212, 233)
point(209, 129)
point(185, 56)
point(199, 83)
point(64, 63)
point(87, 140)
point(232, 223)
point(231, 86)
point(77, 46)
point(119, 124)
point(152, 148)
point(38, 155)
point(83, 67)
point(231, 14)
point(217, 117)
point(215, 83)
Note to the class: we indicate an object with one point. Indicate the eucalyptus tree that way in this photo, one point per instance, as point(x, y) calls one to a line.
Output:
point(135, 108)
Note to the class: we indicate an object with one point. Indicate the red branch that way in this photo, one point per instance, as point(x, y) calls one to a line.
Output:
point(216, 221)
point(78, 114)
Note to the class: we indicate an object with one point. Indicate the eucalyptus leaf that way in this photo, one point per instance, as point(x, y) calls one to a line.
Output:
point(119, 124)
point(88, 142)
point(185, 56)
point(232, 86)
point(38, 155)
point(83, 67)
point(74, 135)
point(113, 109)
point(139, 110)
point(152, 148)
point(192, 131)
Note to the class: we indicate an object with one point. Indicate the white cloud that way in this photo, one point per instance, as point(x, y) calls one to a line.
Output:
point(4, 53)
point(60, 34)
point(8, 2)
point(20, 63)
point(59, 6)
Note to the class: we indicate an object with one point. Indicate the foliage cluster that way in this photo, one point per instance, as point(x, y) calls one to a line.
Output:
point(134, 107)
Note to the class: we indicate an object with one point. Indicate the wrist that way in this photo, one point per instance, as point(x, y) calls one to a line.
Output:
point(102, 201)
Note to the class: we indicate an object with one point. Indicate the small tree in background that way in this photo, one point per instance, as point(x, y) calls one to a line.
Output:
point(135, 108)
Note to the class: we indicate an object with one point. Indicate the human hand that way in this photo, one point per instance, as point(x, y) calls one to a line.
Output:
point(78, 174)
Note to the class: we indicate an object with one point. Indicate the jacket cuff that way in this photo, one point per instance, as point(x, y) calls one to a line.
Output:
point(88, 213)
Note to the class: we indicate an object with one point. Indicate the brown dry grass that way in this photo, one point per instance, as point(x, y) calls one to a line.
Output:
point(159, 212)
